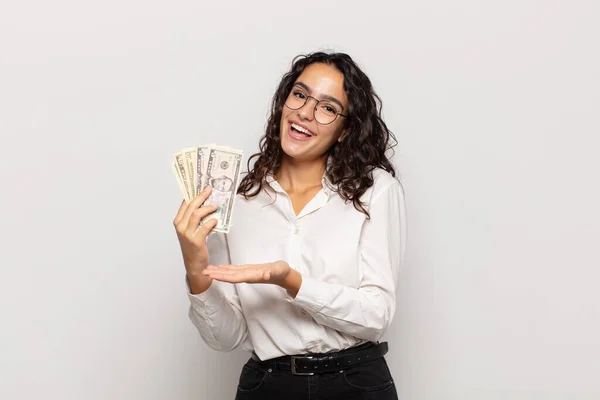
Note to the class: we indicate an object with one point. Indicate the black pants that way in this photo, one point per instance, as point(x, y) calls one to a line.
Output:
point(267, 380)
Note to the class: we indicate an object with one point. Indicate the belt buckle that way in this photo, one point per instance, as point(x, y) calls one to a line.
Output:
point(293, 361)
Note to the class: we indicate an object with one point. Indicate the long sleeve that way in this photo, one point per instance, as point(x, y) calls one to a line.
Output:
point(365, 312)
point(217, 312)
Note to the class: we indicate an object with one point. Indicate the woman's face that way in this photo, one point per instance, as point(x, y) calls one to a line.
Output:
point(302, 137)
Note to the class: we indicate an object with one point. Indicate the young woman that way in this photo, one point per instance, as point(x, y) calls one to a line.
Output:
point(306, 278)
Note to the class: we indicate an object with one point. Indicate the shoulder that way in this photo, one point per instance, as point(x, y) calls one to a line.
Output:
point(383, 179)
point(383, 182)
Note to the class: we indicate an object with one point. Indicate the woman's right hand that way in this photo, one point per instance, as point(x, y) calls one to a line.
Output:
point(192, 238)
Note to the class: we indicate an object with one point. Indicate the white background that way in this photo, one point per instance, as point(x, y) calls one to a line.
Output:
point(495, 105)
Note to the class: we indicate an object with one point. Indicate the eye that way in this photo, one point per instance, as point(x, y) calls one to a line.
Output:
point(329, 109)
point(298, 94)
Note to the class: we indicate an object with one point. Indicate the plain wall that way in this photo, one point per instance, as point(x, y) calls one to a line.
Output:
point(495, 106)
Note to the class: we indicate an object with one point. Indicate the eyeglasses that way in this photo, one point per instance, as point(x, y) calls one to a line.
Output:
point(325, 111)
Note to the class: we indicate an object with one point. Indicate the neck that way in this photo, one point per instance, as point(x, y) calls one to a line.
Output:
point(297, 176)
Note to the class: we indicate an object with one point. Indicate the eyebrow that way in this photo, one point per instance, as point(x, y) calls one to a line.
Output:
point(325, 96)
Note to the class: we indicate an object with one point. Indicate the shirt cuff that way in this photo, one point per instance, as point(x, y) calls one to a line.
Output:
point(311, 294)
point(206, 303)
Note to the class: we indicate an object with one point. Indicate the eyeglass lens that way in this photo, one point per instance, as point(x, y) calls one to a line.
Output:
point(325, 111)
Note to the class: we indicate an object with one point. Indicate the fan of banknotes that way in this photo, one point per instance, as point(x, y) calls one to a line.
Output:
point(210, 165)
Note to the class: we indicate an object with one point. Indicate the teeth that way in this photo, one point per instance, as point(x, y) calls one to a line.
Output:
point(301, 129)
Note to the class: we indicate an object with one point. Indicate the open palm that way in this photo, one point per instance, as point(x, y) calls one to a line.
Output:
point(274, 272)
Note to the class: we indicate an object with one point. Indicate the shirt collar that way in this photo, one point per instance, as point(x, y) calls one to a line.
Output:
point(328, 186)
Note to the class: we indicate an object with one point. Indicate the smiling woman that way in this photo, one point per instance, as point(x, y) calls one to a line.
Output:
point(306, 280)
point(343, 107)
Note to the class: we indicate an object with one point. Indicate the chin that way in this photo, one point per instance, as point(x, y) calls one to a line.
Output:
point(289, 152)
point(298, 150)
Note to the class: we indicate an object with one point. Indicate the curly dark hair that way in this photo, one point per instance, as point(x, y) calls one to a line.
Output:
point(352, 160)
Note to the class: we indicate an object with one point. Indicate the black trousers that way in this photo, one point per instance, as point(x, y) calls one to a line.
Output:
point(269, 380)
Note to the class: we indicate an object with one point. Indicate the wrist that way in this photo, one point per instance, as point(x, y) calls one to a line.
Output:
point(198, 283)
point(292, 282)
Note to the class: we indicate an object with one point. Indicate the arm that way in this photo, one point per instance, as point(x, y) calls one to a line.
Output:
point(365, 312)
point(216, 312)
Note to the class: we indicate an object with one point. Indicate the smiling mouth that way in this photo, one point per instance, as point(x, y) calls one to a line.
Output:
point(299, 129)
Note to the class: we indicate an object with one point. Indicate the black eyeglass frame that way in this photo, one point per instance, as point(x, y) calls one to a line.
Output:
point(315, 109)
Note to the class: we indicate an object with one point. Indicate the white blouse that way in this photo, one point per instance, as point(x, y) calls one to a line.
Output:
point(349, 267)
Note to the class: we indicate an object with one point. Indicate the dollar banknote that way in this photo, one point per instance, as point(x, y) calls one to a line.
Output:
point(179, 179)
point(210, 165)
point(201, 164)
point(189, 159)
point(222, 175)
point(180, 165)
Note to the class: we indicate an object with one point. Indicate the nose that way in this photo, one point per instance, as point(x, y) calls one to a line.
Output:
point(307, 111)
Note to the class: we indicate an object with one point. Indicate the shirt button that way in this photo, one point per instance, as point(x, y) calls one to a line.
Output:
point(296, 230)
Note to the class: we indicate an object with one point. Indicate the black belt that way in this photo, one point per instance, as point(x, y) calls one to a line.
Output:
point(310, 364)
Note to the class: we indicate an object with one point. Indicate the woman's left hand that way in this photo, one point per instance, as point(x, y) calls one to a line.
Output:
point(277, 273)
point(274, 272)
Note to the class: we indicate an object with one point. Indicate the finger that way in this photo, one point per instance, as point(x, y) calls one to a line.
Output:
point(213, 269)
point(206, 227)
point(223, 271)
point(198, 215)
point(224, 267)
point(234, 278)
point(252, 272)
point(180, 213)
point(219, 276)
point(235, 275)
point(195, 204)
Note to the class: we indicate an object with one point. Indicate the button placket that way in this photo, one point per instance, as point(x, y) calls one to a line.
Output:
point(295, 244)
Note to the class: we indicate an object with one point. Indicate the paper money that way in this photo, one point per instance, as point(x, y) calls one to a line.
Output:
point(179, 179)
point(210, 165)
point(189, 158)
point(180, 164)
point(201, 164)
point(222, 175)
